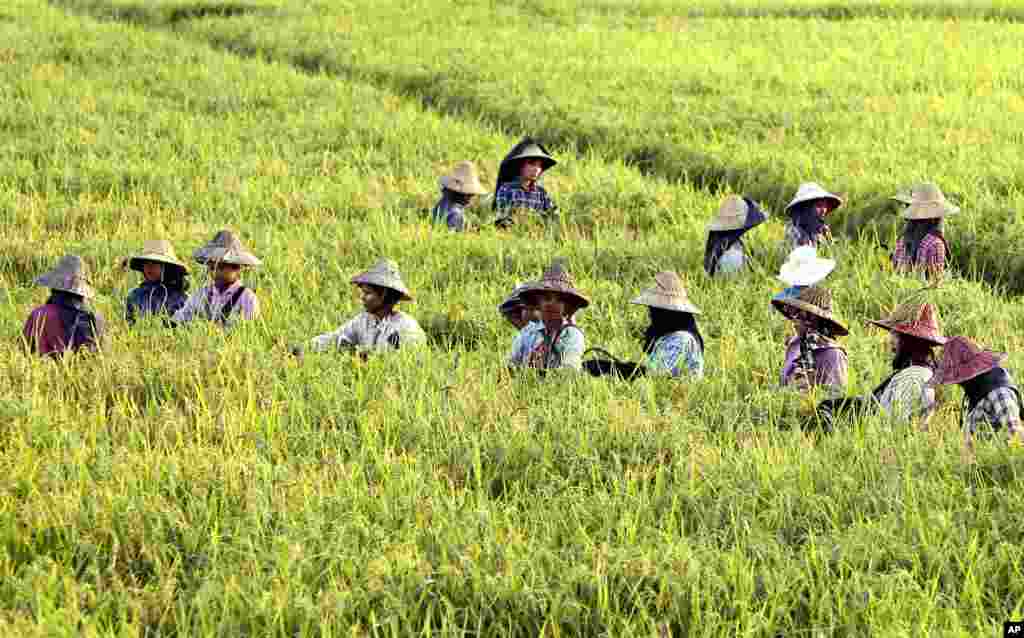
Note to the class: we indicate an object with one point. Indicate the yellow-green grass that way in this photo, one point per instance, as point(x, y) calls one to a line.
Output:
point(865, 106)
point(192, 483)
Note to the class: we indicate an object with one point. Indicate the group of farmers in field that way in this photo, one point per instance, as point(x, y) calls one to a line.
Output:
point(543, 311)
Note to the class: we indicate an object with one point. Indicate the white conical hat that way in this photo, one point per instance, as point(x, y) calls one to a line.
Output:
point(803, 267)
point(384, 274)
point(810, 191)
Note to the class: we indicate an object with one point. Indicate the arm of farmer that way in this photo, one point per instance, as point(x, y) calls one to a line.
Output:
point(410, 333)
point(570, 347)
point(347, 336)
point(520, 349)
point(192, 306)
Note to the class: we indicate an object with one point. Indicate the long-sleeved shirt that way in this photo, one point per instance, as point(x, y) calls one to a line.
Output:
point(908, 395)
point(930, 258)
point(1000, 409)
point(830, 364)
point(512, 196)
point(677, 353)
point(367, 332)
point(450, 213)
point(153, 298)
point(45, 335)
point(533, 347)
point(208, 303)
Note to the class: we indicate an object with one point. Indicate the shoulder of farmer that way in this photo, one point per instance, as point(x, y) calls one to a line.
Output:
point(409, 329)
point(571, 339)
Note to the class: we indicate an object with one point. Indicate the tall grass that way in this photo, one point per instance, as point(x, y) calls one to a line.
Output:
point(196, 483)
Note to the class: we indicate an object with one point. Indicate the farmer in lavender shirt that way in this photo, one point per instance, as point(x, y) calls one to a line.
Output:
point(813, 357)
point(227, 299)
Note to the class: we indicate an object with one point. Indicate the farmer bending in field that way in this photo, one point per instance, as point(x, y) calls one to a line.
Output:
point(555, 342)
point(991, 398)
point(672, 342)
point(379, 327)
point(724, 253)
point(164, 282)
point(811, 205)
point(923, 248)
point(227, 299)
point(905, 394)
point(518, 184)
point(812, 357)
point(457, 191)
point(64, 323)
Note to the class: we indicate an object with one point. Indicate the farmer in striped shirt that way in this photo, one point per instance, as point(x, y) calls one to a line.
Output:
point(922, 248)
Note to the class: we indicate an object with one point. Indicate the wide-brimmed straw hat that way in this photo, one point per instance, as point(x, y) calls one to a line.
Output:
point(463, 179)
point(816, 301)
point(529, 148)
point(928, 202)
point(225, 248)
point(667, 293)
point(962, 360)
point(810, 191)
point(920, 320)
point(159, 251)
point(69, 275)
point(803, 267)
point(384, 274)
point(736, 213)
point(556, 279)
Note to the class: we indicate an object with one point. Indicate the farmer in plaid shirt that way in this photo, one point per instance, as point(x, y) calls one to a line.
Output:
point(519, 186)
point(991, 399)
point(923, 248)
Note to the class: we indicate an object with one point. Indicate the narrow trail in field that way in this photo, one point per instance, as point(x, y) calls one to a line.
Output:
point(652, 158)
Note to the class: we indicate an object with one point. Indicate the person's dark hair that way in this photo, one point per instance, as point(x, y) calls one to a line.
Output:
point(456, 197)
point(391, 297)
point(720, 241)
point(916, 230)
point(175, 278)
point(806, 218)
point(913, 351)
point(664, 322)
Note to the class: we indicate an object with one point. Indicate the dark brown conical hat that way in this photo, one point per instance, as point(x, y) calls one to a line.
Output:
point(962, 360)
point(557, 279)
point(817, 301)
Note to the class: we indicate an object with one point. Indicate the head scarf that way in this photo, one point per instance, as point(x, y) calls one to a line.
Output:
point(79, 324)
point(664, 322)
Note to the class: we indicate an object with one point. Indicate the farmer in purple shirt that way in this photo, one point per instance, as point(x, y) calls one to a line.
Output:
point(813, 358)
point(227, 299)
point(64, 323)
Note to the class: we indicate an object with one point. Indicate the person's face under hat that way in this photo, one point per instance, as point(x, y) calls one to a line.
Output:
point(518, 316)
point(374, 298)
point(552, 306)
point(224, 275)
point(530, 169)
point(822, 207)
point(152, 271)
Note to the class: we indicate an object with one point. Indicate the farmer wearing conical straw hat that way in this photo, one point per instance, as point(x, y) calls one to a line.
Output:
point(923, 247)
point(991, 398)
point(64, 323)
point(905, 394)
point(518, 185)
point(807, 213)
point(813, 357)
point(457, 191)
point(724, 253)
point(557, 342)
point(164, 283)
point(380, 327)
point(672, 342)
point(226, 300)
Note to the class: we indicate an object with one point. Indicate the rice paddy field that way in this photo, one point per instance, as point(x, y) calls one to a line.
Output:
point(192, 483)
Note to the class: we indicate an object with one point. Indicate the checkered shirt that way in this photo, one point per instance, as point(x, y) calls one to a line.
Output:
point(999, 409)
point(931, 256)
point(512, 196)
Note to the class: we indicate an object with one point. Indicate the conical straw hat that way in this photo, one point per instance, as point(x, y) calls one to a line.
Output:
point(463, 179)
point(803, 267)
point(667, 293)
point(810, 191)
point(920, 320)
point(69, 275)
point(225, 248)
point(557, 279)
point(818, 302)
point(928, 202)
point(736, 213)
point(514, 299)
point(385, 274)
point(962, 360)
point(529, 148)
point(156, 250)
